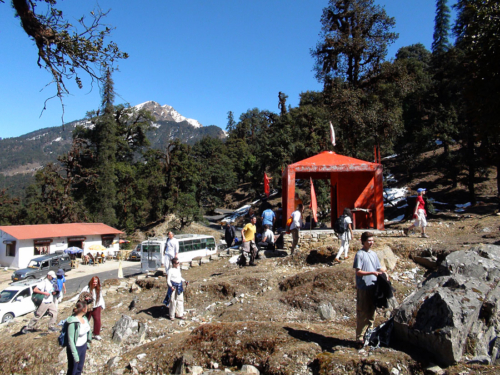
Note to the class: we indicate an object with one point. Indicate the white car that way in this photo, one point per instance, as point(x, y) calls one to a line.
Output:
point(16, 300)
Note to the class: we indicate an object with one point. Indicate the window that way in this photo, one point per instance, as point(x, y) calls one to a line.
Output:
point(211, 243)
point(42, 249)
point(181, 247)
point(55, 262)
point(188, 245)
point(107, 242)
point(45, 264)
point(25, 293)
point(11, 249)
point(196, 244)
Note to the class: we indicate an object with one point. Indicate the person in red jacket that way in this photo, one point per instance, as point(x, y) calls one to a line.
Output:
point(420, 214)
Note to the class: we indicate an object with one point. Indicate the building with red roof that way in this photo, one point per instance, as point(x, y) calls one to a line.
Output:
point(20, 243)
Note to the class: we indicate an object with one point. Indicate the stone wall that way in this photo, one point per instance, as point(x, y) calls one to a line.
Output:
point(310, 239)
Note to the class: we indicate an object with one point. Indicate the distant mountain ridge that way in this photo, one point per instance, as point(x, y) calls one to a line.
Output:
point(166, 113)
point(27, 153)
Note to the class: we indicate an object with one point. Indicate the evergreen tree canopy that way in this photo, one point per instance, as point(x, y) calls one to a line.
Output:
point(354, 40)
point(440, 43)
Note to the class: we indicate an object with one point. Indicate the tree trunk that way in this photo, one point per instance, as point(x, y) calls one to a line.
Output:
point(498, 180)
point(472, 169)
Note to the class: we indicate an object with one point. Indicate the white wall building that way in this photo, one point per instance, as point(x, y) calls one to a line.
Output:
point(21, 243)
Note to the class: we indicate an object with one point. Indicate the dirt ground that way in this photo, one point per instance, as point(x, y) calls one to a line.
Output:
point(267, 316)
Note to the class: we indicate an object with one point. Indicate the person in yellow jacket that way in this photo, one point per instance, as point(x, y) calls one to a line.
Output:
point(248, 238)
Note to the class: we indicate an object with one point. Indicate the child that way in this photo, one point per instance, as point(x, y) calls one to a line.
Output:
point(61, 283)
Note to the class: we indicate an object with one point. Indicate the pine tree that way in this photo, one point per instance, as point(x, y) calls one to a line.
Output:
point(106, 143)
point(440, 42)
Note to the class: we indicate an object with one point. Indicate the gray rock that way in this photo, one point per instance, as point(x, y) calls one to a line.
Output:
point(387, 257)
point(434, 370)
point(481, 360)
point(427, 262)
point(195, 370)
point(249, 369)
point(113, 362)
point(128, 330)
point(456, 308)
point(326, 311)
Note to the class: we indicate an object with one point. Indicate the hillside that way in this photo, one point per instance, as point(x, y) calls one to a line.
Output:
point(21, 157)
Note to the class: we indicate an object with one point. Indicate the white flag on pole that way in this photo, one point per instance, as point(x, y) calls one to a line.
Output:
point(332, 134)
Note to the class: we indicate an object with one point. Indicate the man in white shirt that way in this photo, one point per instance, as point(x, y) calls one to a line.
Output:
point(171, 251)
point(296, 225)
point(46, 288)
point(267, 238)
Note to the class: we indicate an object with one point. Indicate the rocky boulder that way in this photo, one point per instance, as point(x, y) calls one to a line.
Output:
point(455, 312)
point(128, 330)
point(387, 258)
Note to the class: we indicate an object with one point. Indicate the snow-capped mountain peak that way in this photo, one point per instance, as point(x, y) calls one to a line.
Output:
point(166, 113)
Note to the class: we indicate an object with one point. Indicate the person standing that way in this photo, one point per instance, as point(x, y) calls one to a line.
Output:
point(174, 281)
point(171, 251)
point(296, 225)
point(78, 338)
point(346, 236)
point(229, 234)
point(94, 310)
point(46, 288)
point(268, 217)
point(248, 238)
point(61, 283)
point(420, 214)
point(368, 267)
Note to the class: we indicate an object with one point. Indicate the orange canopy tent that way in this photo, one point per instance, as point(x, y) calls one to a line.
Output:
point(354, 184)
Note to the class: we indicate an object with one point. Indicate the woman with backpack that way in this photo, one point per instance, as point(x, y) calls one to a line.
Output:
point(78, 338)
point(345, 236)
point(94, 311)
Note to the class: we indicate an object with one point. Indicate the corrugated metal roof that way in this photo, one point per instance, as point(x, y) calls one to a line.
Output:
point(26, 232)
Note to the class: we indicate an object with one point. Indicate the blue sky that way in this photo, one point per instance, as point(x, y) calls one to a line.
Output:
point(204, 58)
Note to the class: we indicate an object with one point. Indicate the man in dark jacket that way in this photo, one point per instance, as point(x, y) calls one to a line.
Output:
point(230, 234)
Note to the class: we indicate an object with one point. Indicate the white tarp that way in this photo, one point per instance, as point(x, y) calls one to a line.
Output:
point(394, 195)
point(242, 211)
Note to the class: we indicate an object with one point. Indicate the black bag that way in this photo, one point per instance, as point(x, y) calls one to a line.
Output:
point(37, 299)
point(280, 242)
point(338, 226)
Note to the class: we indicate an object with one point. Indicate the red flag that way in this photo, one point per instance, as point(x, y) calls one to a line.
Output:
point(314, 203)
point(266, 185)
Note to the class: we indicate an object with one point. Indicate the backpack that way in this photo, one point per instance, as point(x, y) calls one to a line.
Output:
point(37, 299)
point(56, 288)
point(338, 226)
point(63, 336)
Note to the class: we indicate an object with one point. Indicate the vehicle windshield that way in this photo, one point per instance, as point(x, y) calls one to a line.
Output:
point(151, 248)
point(34, 264)
point(7, 295)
